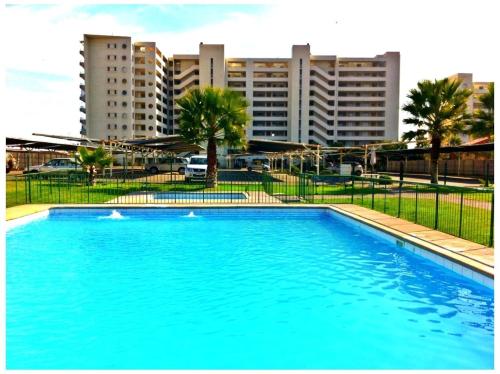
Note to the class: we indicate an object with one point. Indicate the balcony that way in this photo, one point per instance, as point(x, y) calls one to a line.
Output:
point(81, 52)
point(82, 109)
point(82, 64)
point(82, 87)
point(82, 75)
point(82, 121)
point(82, 97)
point(83, 131)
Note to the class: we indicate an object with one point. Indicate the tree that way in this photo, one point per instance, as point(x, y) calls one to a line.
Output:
point(216, 116)
point(90, 159)
point(438, 109)
point(484, 118)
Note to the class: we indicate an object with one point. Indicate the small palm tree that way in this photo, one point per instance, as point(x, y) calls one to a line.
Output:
point(438, 109)
point(90, 159)
point(215, 116)
point(484, 118)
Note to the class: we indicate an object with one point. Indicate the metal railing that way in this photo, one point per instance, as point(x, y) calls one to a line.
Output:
point(463, 212)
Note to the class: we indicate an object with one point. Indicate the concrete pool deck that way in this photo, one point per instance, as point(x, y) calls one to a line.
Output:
point(460, 251)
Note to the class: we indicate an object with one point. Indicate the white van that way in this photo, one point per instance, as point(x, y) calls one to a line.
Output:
point(196, 168)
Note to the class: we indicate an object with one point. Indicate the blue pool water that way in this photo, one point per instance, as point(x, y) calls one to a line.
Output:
point(200, 196)
point(233, 289)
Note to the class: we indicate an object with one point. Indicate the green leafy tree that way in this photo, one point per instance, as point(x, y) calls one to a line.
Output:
point(216, 116)
point(437, 110)
point(483, 123)
point(91, 159)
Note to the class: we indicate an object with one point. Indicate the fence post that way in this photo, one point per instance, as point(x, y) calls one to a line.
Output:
point(352, 190)
point(373, 193)
point(15, 178)
point(416, 203)
point(59, 191)
point(29, 189)
point(399, 198)
point(461, 213)
point(436, 217)
point(492, 221)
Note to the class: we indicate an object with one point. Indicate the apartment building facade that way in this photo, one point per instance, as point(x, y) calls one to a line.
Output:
point(305, 98)
point(124, 93)
point(478, 89)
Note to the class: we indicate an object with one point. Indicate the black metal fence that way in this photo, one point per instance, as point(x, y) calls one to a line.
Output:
point(462, 212)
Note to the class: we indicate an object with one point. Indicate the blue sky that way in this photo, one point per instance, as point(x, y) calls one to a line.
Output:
point(42, 63)
point(172, 17)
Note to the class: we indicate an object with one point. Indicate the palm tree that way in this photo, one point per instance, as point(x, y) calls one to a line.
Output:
point(90, 159)
point(484, 118)
point(438, 109)
point(215, 116)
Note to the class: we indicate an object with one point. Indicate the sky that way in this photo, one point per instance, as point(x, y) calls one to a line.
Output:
point(41, 62)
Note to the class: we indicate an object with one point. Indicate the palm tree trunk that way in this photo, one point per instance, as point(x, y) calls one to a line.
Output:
point(212, 163)
point(91, 175)
point(435, 150)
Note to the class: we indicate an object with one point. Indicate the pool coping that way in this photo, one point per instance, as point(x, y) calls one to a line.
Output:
point(441, 251)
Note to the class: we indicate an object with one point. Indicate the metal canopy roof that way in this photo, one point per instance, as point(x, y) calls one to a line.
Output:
point(39, 144)
point(172, 143)
point(168, 144)
point(272, 146)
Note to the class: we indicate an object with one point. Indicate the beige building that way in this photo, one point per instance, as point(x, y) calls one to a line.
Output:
point(478, 89)
point(124, 90)
point(304, 98)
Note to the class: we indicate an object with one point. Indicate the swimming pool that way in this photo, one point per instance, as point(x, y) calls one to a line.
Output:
point(245, 288)
point(199, 196)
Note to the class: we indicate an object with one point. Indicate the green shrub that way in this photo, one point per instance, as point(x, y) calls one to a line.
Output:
point(384, 180)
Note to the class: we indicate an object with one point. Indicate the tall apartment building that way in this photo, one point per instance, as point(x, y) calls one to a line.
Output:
point(125, 91)
point(305, 98)
point(478, 89)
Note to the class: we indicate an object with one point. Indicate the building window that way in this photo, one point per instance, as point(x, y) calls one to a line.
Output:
point(150, 116)
point(124, 58)
point(124, 103)
point(124, 46)
point(109, 124)
point(116, 126)
point(124, 92)
point(124, 127)
point(124, 115)
point(150, 128)
point(124, 81)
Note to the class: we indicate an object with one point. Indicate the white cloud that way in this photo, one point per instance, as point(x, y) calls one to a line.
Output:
point(435, 38)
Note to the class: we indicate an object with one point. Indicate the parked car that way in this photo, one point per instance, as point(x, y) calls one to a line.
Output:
point(56, 164)
point(259, 164)
point(167, 164)
point(356, 167)
point(196, 168)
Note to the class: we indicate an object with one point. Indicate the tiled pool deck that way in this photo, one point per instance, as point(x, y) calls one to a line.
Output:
point(458, 251)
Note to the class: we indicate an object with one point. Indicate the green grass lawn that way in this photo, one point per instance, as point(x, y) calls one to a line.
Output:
point(77, 192)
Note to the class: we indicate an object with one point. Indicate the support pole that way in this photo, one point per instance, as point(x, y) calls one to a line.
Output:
point(366, 158)
point(290, 158)
point(317, 160)
point(301, 162)
point(111, 154)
